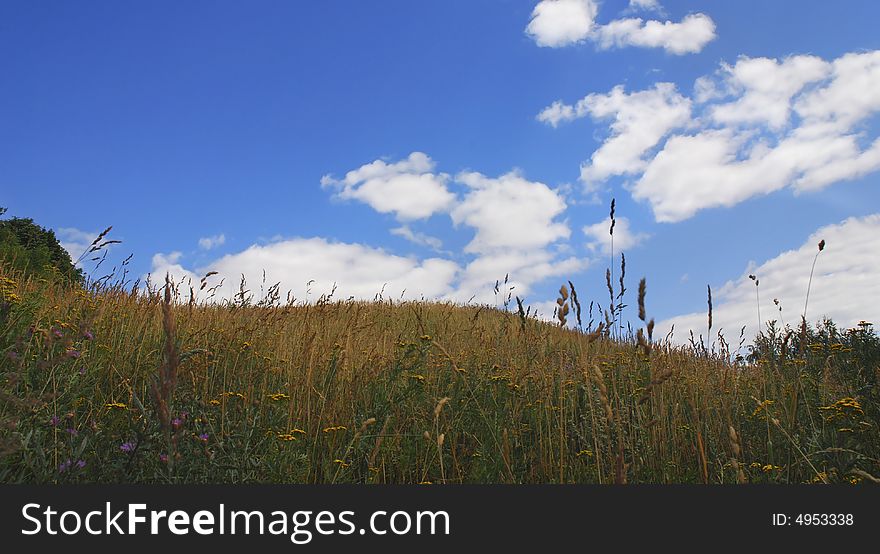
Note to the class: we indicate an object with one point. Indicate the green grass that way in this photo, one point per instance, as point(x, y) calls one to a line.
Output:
point(102, 385)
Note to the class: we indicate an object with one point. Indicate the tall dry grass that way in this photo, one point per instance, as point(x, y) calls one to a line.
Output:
point(108, 384)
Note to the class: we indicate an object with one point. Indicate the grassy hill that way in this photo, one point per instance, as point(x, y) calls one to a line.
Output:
point(108, 385)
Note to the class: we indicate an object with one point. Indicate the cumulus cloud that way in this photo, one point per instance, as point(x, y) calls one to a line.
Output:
point(416, 237)
point(169, 264)
point(688, 36)
point(645, 5)
point(764, 88)
point(509, 213)
point(845, 287)
point(524, 268)
point(639, 121)
point(516, 221)
point(517, 232)
point(409, 189)
point(624, 237)
point(557, 23)
point(750, 129)
point(851, 95)
point(75, 241)
point(317, 265)
point(207, 243)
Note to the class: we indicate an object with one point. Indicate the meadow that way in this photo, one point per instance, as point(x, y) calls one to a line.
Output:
point(118, 383)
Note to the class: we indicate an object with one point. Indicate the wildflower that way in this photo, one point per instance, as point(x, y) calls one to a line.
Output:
point(82, 370)
point(127, 447)
point(203, 437)
point(286, 437)
point(72, 432)
point(279, 396)
point(762, 406)
point(64, 466)
point(73, 354)
point(163, 458)
point(115, 405)
point(844, 408)
point(213, 402)
point(54, 421)
point(80, 464)
point(88, 335)
point(341, 463)
point(57, 332)
point(176, 423)
point(334, 428)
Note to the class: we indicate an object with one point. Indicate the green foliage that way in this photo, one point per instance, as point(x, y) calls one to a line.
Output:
point(27, 247)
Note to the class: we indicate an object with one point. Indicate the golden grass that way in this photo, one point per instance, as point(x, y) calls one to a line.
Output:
point(391, 392)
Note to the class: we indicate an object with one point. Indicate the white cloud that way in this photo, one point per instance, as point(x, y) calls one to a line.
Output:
point(516, 223)
point(852, 94)
point(764, 88)
point(75, 241)
point(509, 213)
point(207, 243)
point(557, 23)
point(409, 189)
point(640, 120)
point(845, 287)
point(169, 264)
point(418, 238)
point(645, 5)
point(546, 310)
point(524, 267)
point(557, 112)
point(688, 36)
point(357, 270)
point(760, 126)
point(624, 237)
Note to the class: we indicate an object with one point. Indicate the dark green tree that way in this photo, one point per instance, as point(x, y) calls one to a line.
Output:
point(27, 247)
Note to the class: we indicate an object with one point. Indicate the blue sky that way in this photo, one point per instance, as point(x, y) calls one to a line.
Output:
point(436, 146)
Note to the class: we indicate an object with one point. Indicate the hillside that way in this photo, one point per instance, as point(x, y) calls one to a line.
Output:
point(111, 385)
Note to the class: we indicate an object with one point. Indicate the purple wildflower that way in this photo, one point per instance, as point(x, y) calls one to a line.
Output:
point(176, 423)
point(163, 458)
point(64, 466)
point(73, 354)
point(203, 437)
point(82, 370)
point(57, 332)
point(73, 432)
point(54, 421)
point(80, 464)
point(88, 335)
point(127, 446)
